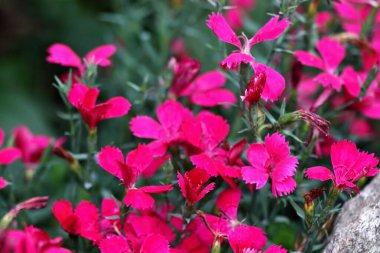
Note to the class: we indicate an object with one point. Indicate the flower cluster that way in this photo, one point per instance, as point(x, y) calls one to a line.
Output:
point(200, 170)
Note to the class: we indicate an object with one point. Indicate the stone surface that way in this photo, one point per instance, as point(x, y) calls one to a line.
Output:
point(357, 227)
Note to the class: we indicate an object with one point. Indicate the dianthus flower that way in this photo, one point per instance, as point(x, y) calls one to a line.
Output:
point(349, 165)
point(84, 98)
point(272, 160)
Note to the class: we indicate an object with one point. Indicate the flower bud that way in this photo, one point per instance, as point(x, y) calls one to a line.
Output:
point(309, 206)
point(185, 71)
point(254, 89)
point(33, 203)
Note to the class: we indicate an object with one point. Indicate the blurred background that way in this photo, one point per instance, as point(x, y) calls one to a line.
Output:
point(143, 31)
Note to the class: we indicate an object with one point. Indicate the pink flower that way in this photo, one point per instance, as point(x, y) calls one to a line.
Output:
point(191, 185)
point(8, 154)
point(185, 70)
point(271, 160)
point(171, 114)
point(332, 53)
point(353, 15)
point(84, 98)
point(206, 132)
point(84, 221)
point(228, 203)
point(235, 15)
point(206, 90)
point(3, 183)
point(30, 240)
point(243, 239)
point(65, 56)
point(154, 243)
point(272, 30)
point(111, 159)
point(31, 146)
point(349, 165)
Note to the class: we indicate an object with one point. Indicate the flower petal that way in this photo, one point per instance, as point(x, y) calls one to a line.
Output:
point(222, 30)
point(309, 59)
point(111, 159)
point(138, 199)
point(270, 31)
point(332, 52)
point(275, 82)
point(319, 173)
point(63, 55)
point(145, 127)
point(99, 56)
point(9, 155)
point(155, 243)
point(119, 107)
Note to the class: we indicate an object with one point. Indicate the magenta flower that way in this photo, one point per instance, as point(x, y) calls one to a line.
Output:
point(248, 239)
point(154, 243)
point(191, 185)
point(171, 114)
point(83, 221)
point(8, 154)
point(206, 90)
point(31, 239)
point(349, 165)
point(65, 56)
point(31, 146)
point(206, 133)
point(235, 15)
point(275, 83)
point(84, 98)
point(111, 159)
point(272, 160)
point(332, 53)
point(355, 13)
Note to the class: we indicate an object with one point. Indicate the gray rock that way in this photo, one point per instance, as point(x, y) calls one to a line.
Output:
point(357, 227)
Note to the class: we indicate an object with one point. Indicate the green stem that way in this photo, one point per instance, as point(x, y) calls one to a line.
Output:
point(91, 148)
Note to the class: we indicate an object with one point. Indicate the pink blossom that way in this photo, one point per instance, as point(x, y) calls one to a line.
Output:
point(154, 243)
point(270, 31)
point(65, 56)
point(84, 98)
point(349, 165)
point(31, 146)
point(332, 53)
point(245, 238)
point(271, 159)
point(206, 132)
point(171, 114)
point(206, 90)
point(354, 15)
point(83, 221)
point(111, 159)
point(192, 185)
point(185, 70)
point(7, 154)
point(234, 16)
point(30, 240)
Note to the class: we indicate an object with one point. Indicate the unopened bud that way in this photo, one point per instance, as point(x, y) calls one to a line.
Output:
point(185, 71)
point(309, 205)
point(254, 89)
point(316, 121)
point(33, 203)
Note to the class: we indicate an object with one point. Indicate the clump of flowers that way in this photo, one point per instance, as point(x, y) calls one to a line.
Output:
point(189, 167)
